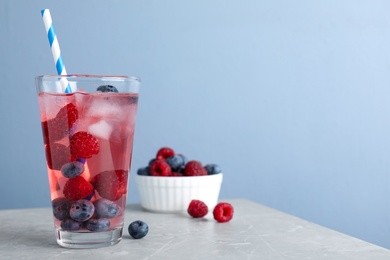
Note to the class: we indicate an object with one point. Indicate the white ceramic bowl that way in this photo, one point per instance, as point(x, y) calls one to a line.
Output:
point(173, 194)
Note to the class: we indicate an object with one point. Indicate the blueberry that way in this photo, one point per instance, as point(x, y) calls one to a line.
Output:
point(100, 224)
point(138, 229)
point(151, 161)
point(107, 88)
point(212, 169)
point(133, 100)
point(185, 160)
point(72, 169)
point(61, 207)
point(105, 208)
point(176, 162)
point(91, 195)
point(82, 160)
point(143, 171)
point(70, 225)
point(82, 210)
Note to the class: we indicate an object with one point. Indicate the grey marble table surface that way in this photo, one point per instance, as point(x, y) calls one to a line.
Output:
point(255, 232)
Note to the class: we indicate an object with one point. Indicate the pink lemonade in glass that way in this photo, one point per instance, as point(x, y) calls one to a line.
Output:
point(88, 138)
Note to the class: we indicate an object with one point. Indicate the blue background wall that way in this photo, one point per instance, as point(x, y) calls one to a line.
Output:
point(291, 98)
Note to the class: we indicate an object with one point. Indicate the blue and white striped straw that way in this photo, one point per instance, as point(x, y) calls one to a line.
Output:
point(55, 49)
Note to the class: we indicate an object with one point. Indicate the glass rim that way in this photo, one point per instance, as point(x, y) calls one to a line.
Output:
point(88, 76)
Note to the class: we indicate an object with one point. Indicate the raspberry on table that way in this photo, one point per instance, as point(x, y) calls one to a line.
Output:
point(83, 145)
point(197, 209)
point(164, 153)
point(77, 188)
point(160, 168)
point(223, 212)
point(194, 168)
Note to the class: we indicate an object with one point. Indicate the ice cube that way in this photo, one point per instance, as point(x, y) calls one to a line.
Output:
point(101, 129)
point(104, 109)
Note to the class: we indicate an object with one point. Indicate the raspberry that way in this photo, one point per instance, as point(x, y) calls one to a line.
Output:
point(111, 185)
point(83, 145)
point(122, 176)
point(68, 114)
point(77, 188)
point(194, 168)
point(160, 168)
point(57, 155)
point(58, 127)
point(197, 209)
point(223, 212)
point(164, 153)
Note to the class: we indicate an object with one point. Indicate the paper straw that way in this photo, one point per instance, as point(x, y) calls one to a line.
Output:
point(55, 49)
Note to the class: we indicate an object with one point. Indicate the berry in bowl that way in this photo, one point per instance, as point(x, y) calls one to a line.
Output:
point(170, 182)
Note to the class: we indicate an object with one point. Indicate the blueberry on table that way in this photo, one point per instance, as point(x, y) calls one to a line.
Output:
point(82, 210)
point(61, 207)
point(105, 208)
point(107, 88)
point(100, 224)
point(138, 229)
point(70, 225)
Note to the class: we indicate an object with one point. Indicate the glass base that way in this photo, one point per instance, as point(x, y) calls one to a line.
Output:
point(70, 239)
